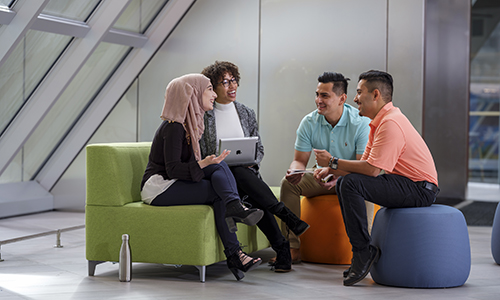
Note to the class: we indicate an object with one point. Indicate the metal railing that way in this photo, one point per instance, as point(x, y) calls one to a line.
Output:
point(57, 232)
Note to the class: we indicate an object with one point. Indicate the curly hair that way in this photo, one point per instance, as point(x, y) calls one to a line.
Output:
point(216, 71)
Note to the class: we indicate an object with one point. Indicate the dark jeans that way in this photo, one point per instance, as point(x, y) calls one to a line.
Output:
point(260, 196)
point(386, 190)
point(217, 188)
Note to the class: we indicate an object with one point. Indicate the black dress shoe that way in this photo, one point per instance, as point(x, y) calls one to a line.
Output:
point(361, 264)
point(346, 272)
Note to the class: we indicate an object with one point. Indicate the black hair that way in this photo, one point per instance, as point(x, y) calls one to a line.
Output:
point(338, 80)
point(379, 80)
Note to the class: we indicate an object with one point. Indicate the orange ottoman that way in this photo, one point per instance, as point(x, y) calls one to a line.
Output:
point(326, 241)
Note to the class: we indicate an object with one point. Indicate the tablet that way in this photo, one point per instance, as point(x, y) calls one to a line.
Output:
point(243, 150)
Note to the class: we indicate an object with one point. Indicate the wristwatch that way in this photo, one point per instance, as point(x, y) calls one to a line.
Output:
point(334, 163)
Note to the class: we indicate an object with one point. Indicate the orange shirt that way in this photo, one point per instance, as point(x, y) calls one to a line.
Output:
point(396, 147)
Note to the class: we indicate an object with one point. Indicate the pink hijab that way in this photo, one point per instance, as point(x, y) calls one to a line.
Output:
point(184, 104)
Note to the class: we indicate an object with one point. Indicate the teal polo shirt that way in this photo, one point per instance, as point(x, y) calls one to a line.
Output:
point(345, 140)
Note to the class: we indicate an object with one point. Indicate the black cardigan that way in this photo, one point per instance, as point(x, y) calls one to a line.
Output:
point(171, 155)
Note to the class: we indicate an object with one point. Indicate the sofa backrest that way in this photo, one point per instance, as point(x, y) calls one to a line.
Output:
point(114, 172)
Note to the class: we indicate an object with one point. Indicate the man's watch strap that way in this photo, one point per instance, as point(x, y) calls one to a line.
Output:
point(334, 162)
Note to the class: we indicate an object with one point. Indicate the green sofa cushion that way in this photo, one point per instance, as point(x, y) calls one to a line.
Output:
point(168, 235)
point(116, 171)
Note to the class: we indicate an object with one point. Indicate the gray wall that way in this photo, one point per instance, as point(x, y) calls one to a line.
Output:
point(279, 68)
point(281, 46)
point(446, 104)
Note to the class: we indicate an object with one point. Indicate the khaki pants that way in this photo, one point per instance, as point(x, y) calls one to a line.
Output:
point(290, 195)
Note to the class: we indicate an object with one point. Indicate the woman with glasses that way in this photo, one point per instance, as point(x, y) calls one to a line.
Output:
point(176, 174)
point(231, 119)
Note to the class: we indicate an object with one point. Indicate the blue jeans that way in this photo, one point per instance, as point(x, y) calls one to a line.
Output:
point(386, 190)
point(217, 188)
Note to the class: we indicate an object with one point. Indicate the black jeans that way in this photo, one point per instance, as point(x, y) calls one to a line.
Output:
point(260, 196)
point(386, 190)
point(217, 188)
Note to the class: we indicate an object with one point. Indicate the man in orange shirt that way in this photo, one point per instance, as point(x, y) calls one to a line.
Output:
point(394, 146)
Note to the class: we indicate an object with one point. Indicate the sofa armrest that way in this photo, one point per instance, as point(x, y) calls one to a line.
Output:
point(114, 172)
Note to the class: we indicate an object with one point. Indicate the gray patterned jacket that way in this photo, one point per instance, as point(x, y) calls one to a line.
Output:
point(248, 120)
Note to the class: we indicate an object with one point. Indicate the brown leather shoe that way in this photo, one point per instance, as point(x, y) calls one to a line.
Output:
point(295, 257)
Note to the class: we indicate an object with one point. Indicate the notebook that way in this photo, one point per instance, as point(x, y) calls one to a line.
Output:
point(243, 150)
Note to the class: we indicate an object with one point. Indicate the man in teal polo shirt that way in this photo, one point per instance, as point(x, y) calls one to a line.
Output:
point(334, 129)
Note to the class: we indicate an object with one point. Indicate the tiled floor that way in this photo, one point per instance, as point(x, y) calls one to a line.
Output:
point(34, 269)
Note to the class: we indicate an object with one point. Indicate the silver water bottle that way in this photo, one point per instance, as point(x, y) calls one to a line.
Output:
point(125, 271)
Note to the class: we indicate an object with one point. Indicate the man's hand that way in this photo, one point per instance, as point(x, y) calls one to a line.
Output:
point(212, 159)
point(322, 157)
point(328, 182)
point(324, 178)
point(293, 178)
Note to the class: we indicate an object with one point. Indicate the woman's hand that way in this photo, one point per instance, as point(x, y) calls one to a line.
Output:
point(212, 159)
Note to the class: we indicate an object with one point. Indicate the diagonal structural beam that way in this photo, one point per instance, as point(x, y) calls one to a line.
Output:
point(6, 16)
point(60, 26)
point(128, 71)
point(57, 81)
point(26, 14)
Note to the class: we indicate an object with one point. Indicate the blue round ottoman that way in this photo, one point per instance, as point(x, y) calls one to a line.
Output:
point(495, 236)
point(421, 247)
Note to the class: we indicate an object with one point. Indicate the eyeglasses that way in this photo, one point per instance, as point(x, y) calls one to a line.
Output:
point(226, 82)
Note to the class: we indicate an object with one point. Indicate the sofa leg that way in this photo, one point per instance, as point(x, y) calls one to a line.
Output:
point(203, 271)
point(92, 265)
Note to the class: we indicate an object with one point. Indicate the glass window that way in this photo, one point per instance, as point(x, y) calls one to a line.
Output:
point(42, 50)
point(14, 171)
point(6, 3)
point(72, 103)
point(71, 9)
point(484, 95)
point(139, 14)
point(11, 86)
point(25, 68)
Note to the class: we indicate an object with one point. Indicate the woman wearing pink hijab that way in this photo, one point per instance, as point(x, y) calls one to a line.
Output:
point(177, 175)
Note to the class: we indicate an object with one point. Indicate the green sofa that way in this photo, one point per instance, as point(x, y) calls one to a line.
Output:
point(177, 235)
